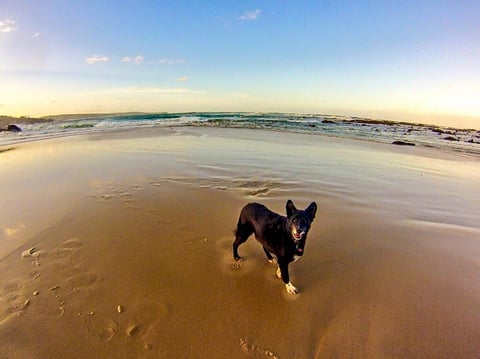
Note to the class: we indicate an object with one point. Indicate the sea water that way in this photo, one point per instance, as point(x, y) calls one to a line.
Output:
point(466, 141)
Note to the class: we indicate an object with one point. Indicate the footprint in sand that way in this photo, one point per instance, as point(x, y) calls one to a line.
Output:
point(105, 329)
point(49, 305)
point(134, 330)
point(137, 322)
point(46, 284)
point(252, 350)
point(59, 278)
point(141, 321)
point(76, 276)
point(34, 255)
point(223, 246)
point(15, 305)
point(236, 266)
point(49, 302)
point(81, 280)
point(13, 286)
point(68, 248)
point(12, 301)
point(34, 274)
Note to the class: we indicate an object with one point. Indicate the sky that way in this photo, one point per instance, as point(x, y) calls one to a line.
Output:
point(401, 60)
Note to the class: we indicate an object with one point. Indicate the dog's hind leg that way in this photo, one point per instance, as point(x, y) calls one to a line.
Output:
point(243, 231)
point(269, 255)
point(236, 243)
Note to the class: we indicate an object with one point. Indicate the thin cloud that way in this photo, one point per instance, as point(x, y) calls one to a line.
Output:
point(96, 58)
point(7, 25)
point(148, 90)
point(227, 23)
point(137, 60)
point(250, 15)
point(37, 34)
point(166, 61)
point(182, 79)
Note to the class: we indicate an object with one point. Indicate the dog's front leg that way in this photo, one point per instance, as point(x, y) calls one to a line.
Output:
point(283, 271)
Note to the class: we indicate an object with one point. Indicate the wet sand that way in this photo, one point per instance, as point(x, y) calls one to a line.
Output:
point(119, 245)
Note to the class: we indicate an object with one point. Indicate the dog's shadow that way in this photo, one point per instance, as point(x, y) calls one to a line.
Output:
point(229, 265)
point(253, 269)
point(251, 252)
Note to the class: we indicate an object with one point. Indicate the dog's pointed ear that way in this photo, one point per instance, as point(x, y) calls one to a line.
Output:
point(311, 210)
point(291, 209)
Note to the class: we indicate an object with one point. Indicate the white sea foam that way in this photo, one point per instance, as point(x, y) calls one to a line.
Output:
point(465, 141)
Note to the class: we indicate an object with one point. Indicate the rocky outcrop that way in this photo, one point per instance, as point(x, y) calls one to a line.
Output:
point(403, 143)
point(11, 128)
point(451, 138)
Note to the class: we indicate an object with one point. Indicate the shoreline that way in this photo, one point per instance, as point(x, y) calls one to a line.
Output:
point(131, 235)
point(380, 131)
point(328, 118)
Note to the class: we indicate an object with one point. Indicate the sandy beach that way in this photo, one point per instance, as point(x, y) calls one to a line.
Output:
point(118, 245)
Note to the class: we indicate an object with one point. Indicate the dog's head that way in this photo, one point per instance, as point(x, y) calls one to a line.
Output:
point(298, 223)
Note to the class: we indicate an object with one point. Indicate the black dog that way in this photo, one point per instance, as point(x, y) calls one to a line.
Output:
point(283, 238)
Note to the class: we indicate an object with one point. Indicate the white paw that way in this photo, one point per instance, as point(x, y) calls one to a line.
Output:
point(279, 273)
point(291, 288)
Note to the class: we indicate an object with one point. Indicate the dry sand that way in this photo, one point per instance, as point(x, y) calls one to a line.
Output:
point(119, 246)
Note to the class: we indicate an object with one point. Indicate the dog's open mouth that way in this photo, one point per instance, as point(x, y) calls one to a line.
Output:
point(297, 236)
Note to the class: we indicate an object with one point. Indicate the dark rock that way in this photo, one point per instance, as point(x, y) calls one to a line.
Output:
point(12, 128)
point(451, 138)
point(403, 143)
point(439, 131)
point(328, 121)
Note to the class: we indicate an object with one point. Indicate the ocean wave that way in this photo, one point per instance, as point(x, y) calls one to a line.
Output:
point(459, 140)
